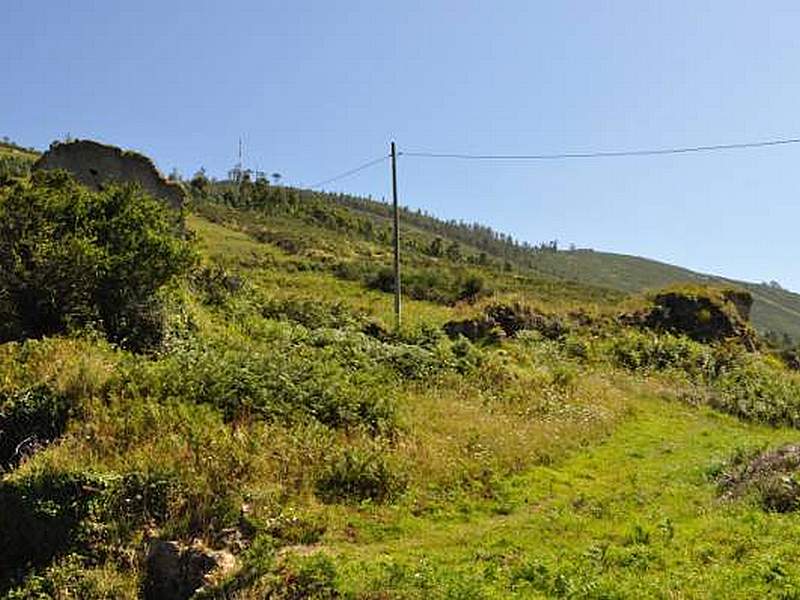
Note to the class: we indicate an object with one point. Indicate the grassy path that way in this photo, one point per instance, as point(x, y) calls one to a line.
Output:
point(634, 516)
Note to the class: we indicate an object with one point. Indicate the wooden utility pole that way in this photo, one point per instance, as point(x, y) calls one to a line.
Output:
point(396, 240)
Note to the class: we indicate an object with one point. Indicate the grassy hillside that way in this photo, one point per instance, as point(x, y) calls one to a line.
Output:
point(10, 148)
point(774, 308)
point(252, 412)
point(16, 160)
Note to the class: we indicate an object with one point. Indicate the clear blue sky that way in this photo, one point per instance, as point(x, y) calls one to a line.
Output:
point(319, 87)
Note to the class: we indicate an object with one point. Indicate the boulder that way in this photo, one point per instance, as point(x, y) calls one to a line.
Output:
point(94, 164)
point(516, 316)
point(479, 329)
point(500, 320)
point(702, 314)
point(176, 571)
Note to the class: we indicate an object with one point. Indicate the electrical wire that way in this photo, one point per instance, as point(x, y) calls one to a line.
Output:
point(605, 154)
point(350, 172)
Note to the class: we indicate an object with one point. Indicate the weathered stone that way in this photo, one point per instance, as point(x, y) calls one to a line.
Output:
point(741, 300)
point(94, 164)
point(791, 359)
point(502, 320)
point(516, 317)
point(770, 475)
point(705, 315)
point(480, 329)
point(176, 571)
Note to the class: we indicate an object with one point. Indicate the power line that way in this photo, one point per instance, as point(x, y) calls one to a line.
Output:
point(353, 171)
point(605, 154)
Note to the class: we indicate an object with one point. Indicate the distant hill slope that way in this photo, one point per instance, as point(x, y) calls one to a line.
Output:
point(774, 309)
point(11, 149)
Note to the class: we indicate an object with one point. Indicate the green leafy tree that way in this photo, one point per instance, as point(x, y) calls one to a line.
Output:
point(70, 257)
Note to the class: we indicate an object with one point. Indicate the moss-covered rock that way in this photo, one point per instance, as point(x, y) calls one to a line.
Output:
point(506, 319)
point(702, 314)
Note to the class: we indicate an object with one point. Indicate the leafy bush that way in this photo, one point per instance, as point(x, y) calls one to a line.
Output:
point(291, 577)
point(29, 419)
point(215, 284)
point(139, 498)
point(310, 313)
point(308, 577)
point(40, 517)
point(441, 285)
point(70, 257)
point(12, 165)
point(50, 514)
point(287, 385)
point(359, 474)
point(644, 351)
point(759, 391)
point(72, 577)
point(291, 527)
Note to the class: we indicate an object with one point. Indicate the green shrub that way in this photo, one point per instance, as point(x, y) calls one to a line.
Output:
point(382, 280)
point(139, 498)
point(40, 517)
point(14, 166)
point(472, 288)
point(70, 257)
point(758, 391)
point(215, 284)
point(359, 474)
point(311, 313)
point(71, 577)
point(50, 514)
point(29, 419)
point(291, 527)
point(441, 285)
point(288, 384)
point(308, 577)
point(645, 351)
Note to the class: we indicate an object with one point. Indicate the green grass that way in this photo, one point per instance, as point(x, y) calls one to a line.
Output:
point(17, 151)
point(636, 515)
point(569, 461)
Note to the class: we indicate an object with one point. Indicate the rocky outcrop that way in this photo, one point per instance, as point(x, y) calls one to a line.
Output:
point(176, 571)
point(770, 476)
point(703, 314)
point(479, 329)
point(94, 164)
point(500, 320)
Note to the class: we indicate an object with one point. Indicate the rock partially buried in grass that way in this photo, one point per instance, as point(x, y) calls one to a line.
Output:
point(501, 320)
point(176, 571)
point(771, 477)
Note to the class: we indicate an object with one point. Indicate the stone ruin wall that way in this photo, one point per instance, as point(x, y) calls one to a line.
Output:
point(94, 164)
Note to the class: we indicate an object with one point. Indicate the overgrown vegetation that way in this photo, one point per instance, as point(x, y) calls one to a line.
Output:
point(71, 258)
point(277, 416)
